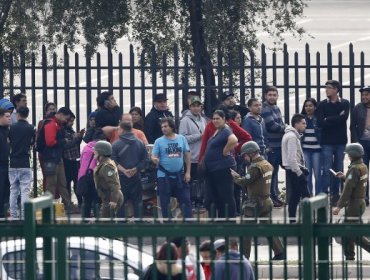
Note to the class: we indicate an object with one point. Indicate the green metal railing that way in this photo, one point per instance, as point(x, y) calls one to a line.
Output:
point(313, 234)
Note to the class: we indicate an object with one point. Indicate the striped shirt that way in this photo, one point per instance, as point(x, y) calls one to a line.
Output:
point(274, 123)
point(309, 139)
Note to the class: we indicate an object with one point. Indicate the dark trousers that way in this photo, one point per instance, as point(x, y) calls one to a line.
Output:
point(132, 192)
point(4, 190)
point(297, 189)
point(274, 158)
point(366, 159)
point(220, 187)
point(71, 169)
point(91, 201)
point(170, 187)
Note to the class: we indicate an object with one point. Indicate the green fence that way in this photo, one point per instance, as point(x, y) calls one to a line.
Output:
point(51, 249)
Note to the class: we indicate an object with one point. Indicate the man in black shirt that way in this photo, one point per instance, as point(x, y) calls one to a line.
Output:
point(109, 113)
point(21, 138)
point(332, 115)
point(5, 121)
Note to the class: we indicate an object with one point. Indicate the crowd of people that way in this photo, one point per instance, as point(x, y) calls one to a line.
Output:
point(226, 164)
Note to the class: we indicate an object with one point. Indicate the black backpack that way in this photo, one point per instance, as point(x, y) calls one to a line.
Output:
point(40, 138)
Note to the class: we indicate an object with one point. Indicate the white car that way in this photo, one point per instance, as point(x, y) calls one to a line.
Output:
point(88, 258)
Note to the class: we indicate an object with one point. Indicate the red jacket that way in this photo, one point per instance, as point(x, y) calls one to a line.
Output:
point(242, 135)
point(51, 130)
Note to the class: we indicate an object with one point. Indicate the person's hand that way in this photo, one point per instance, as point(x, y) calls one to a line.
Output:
point(187, 177)
point(234, 174)
point(155, 160)
point(81, 132)
point(132, 171)
point(340, 175)
point(112, 103)
point(113, 204)
point(127, 173)
point(335, 210)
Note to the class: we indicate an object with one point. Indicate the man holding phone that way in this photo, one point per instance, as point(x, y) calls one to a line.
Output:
point(71, 155)
point(109, 112)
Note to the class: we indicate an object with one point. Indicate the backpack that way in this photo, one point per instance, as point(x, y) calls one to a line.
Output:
point(40, 138)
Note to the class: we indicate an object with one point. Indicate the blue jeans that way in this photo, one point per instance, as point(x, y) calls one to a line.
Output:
point(313, 164)
point(274, 158)
point(20, 184)
point(168, 187)
point(332, 157)
point(366, 159)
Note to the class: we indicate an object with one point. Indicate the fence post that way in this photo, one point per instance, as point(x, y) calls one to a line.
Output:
point(307, 240)
point(323, 246)
point(30, 208)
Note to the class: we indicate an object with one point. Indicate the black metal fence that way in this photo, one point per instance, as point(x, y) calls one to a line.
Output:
point(74, 81)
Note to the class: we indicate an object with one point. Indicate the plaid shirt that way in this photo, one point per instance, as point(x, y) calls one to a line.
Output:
point(72, 147)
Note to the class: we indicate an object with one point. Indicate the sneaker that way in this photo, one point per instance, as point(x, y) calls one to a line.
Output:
point(277, 204)
point(279, 257)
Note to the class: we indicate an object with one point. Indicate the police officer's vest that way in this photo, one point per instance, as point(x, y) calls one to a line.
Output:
point(360, 191)
point(261, 187)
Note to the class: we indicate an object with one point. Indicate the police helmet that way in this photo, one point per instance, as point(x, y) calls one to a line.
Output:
point(354, 150)
point(103, 148)
point(249, 148)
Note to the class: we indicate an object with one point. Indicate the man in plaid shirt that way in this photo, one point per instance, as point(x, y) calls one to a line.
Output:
point(71, 156)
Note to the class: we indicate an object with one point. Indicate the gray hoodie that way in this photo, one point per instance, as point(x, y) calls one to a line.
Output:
point(291, 150)
point(129, 152)
point(193, 128)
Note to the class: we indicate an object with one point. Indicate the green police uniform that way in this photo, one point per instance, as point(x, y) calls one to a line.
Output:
point(257, 182)
point(107, 185)
point(353, 199)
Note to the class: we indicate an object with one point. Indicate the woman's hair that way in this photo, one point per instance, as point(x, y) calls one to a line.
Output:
point(233, 114)
point(167, 252)
point(47, 105)
point(137, 110)
point(220, 113)
point(224, 109)
point(312, 100)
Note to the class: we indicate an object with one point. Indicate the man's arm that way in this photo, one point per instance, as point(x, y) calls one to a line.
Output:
point(351, 182)
point(271, 124)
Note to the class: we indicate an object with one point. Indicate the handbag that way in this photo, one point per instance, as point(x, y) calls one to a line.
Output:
point(86, 181)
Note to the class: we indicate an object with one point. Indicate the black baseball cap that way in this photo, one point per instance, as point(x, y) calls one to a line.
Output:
point(160, 97)
point(227, 94)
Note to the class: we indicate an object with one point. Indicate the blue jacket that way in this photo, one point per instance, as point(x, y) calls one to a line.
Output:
point(234, 263)
point(257, 129)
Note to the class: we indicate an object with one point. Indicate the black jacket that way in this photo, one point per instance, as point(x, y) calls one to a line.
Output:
point(152, 127)
point(21, 137)
point(105, 117)
point(358, 122)
point(4, 146)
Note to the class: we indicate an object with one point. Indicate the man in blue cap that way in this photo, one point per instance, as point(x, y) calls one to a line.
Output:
point(7, 105)
point(360, 128)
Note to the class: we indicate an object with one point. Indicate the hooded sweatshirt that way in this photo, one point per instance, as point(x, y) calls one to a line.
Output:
point(257, 129)
point(87, 160)
point(234, 262)
point(129, 152)
point(152, 127)
point(192, 127)
point(291, 150)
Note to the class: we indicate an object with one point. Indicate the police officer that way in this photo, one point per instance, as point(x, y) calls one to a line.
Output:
point(106, 179)
point(257, 182)
point(353, 196)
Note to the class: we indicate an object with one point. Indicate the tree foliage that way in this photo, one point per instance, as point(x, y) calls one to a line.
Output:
point(198, 27)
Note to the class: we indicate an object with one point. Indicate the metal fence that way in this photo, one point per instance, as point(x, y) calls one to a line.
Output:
point(75, 80)
point(66, 249)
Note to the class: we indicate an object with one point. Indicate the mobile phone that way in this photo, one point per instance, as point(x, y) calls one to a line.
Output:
point(332, 171)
